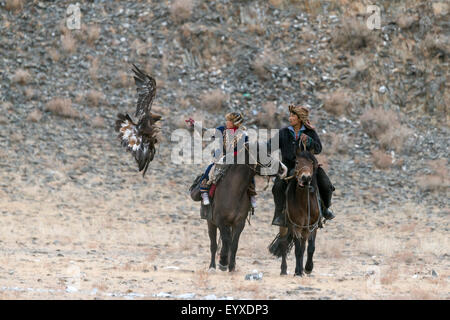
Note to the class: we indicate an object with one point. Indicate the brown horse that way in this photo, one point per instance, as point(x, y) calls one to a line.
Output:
point(230, 209)
point(303, 215)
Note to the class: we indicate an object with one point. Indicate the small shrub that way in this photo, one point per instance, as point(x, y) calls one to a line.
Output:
point(69, 44)
point(35, 116)
point(21, 76)
point(381, 159)
point(213, 100)
point(14, 5)
point(353, 35)
point(62, 107)
point(338, 103)
point(181, 10)
point(94, 98)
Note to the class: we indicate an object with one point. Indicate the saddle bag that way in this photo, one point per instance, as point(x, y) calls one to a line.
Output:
point(195, 189)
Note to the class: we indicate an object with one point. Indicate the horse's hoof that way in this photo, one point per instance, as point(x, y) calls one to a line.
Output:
point(283, 273)
point(212, 270)
point(223, 268)
point(298, 274)
point(309, 268)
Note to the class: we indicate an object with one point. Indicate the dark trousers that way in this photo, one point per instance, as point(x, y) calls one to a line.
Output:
point(326, 189)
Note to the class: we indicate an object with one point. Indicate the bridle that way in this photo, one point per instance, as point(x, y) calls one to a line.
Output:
point(311, 188)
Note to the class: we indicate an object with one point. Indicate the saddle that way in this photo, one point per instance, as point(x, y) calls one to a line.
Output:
point(219, 173)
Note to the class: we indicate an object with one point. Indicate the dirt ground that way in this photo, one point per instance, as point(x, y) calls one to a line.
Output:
point(69, 242)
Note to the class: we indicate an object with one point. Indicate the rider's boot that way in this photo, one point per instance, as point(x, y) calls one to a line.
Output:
point(279, 218)
point(327, 213)
point(253, 201)
point(205, 198)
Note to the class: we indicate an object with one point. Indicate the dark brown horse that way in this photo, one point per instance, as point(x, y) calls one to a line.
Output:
point(230, 209)
point(303, 215)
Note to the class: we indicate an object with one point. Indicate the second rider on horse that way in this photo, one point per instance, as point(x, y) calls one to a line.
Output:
point(300, 134)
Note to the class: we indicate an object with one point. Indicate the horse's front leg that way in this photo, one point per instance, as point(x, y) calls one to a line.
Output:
point(225, 234)
point(283, 265)
point(212, 231)
point(234, 244)
point(311, 247)
point(299, 252)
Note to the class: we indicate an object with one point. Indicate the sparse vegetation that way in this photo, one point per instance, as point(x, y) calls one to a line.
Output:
point(94, 98)
point(339, 102)
point(353, 35)
point(35, 116)
point(93, 33)
point(68, 43)
point(21, 76)
point(62, 107)
point(384, 126)
point(438, 180)
point(213, 100)
point(14, 5)
point(181, 10)
point(381, 159)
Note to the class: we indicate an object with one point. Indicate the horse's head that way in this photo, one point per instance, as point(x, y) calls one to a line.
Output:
point(305, 165)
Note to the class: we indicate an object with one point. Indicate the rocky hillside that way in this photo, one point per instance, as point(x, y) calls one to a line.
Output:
point(379, 98)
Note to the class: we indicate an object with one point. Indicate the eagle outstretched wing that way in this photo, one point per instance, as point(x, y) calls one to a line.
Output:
point(146, 88)
point(140, 138)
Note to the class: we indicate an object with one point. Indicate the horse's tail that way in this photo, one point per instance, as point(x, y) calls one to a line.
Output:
point(282, 244)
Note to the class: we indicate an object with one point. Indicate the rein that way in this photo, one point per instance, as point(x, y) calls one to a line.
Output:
point(311, 188)
point(309, 227)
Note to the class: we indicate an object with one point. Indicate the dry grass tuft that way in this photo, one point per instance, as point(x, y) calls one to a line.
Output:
point(30, 93)
point(213, 100)
point(94, 98)
point(439, 180)
point(381, 159)
point(14, 5)
point(353, 35)
point(261, 64)
point(62, 107)
point(181, 10)
point(93, 70)
point(35, 116)
point(440, 8)
point(404, 256)
point(122, 80)
point(268, 118)
point(54, 54)
point(339, 144)
point(435, 45)
point(93, 33)
point(98, 122)
point(68, 43)
point(339, 102)
point(407, 21)
point(21, 76)
point(389, 276)
point(384, 126)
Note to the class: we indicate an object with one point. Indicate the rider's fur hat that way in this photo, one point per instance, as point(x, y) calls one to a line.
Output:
point(235, 117)
point(303, 114)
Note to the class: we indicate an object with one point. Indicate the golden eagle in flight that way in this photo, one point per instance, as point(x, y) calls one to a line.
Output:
point(140, 138)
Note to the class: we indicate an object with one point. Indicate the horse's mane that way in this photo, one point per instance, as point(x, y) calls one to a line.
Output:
point(308, 155)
